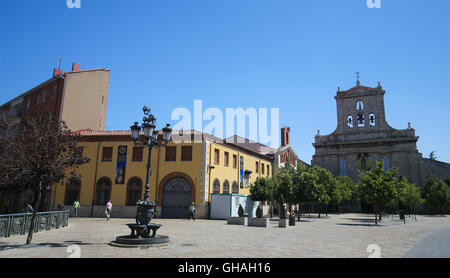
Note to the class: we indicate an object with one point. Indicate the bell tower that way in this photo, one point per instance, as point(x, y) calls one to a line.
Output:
point(361, 109)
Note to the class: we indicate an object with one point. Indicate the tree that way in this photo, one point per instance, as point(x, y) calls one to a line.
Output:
point(378, 187)
point(346, 191)
point(408, 194)
point(304, 184)
point(322, 190)
point(437, 194)
point(38, 157)
point(433, 156)
point(263, 190)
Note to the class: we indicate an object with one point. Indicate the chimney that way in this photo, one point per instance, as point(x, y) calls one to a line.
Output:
point(57, 72)
point(285, 136)
point(76, 67)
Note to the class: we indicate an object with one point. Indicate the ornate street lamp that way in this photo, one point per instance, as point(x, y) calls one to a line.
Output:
point(140, 232)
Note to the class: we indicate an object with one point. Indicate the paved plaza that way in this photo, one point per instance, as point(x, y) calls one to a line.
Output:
point(346, 236)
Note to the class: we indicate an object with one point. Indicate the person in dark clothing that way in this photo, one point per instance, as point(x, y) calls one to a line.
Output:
point(29, 209)
point(191, 211)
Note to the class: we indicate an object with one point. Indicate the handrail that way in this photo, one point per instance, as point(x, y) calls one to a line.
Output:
point(19, 223)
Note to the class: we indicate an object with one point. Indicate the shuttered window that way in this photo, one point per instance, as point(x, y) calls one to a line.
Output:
point(107, 154)
point(186, 153)
point(226, 158)
point(216, 156)
point(137, 153)
point(171, 153)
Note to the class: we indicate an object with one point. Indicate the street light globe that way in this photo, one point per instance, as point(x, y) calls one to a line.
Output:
point(135, 129)
point(148, 129)
point(167, 131)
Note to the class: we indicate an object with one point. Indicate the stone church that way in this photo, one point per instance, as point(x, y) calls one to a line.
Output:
point(363, 136)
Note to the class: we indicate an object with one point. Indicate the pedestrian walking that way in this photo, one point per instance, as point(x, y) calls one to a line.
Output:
point(76, 207)
point(191, 211)
point(108, 210)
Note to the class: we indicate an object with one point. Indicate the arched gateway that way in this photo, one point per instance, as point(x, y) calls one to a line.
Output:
point(176, 197)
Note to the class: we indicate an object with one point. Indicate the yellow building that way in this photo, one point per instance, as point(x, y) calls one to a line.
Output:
point(185, 171)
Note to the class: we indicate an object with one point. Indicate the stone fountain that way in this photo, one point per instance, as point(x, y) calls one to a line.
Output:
point(143, 233)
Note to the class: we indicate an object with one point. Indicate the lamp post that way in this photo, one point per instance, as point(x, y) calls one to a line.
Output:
point(140, 232)
point(150, 139)
point(146, 208)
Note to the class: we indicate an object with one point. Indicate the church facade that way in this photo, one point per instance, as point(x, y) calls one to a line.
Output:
point(363, 136)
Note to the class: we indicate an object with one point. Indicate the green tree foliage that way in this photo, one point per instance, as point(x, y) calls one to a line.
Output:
point(408, 194)
point(284, 184)
point(346, 191)
point(433, 156)
point(325, 187)
point(378, 187)
point(437, 194)
point(263, 190)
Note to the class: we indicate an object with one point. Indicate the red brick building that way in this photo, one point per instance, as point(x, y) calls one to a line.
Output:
point(78, 97)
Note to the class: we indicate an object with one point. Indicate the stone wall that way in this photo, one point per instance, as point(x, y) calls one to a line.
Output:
point(434, 168)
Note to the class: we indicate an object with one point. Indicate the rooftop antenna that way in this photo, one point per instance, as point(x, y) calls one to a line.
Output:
point(59, 63)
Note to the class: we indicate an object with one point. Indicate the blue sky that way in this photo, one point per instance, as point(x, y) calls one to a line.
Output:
point(287, 54)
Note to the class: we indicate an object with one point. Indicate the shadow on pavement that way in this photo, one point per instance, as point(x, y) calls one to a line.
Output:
point(5, 246)
point(363, 225)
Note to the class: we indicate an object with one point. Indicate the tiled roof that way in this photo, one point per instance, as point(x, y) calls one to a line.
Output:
point(235, 140)
point(249, 145)
point(88, 70)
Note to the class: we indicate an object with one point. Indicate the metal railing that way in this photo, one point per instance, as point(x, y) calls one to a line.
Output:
point(19, 224)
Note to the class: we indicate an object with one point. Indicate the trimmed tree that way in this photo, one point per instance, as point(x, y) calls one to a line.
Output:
point(408, 194)
point(437, 195)
point(324, 187)
point(378, 187)
point(347, 191)
point(263, 190)
point(38, 157)
point(284, 184)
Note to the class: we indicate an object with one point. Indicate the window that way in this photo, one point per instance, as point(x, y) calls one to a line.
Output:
point(226, 159)
point(44, 96)
point(257, 167)
point(216, 156)
point(103, 191)
point(55, 91)
point(216, 186)
point(350, 121)
point(372, 119)
point(235, 188)
point(234, 161)
point(268, 170)
point(38, 100)
point(387, 165)
point(107, 154)
point(28, 104)
point(262, 168)
point(137, 153)
point(360, 105)
point(73, 189)
point(171, 153)
point(226, 187)
point(186, 153)
point(343, 167)
point(134, 191)
point(361, 121)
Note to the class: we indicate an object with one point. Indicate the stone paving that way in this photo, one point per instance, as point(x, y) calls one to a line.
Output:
point(342, 236)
